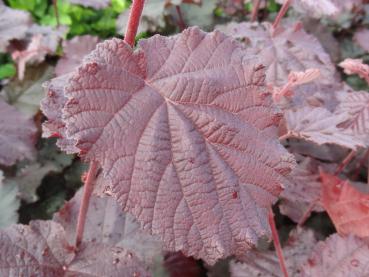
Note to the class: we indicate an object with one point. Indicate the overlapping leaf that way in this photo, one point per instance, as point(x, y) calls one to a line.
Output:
point(320, 126)
point(347, 206)
point(258, 263)
point(302, 195)
point(287, 49)
point(340, 257)
point(315, 8)
point(13, 24)
point(356, 105)
point(177, 132)
point(41, 249)
point(107, 224)
point(362, 38)
point(74, 51)
point(16, 136)
point(52, 106)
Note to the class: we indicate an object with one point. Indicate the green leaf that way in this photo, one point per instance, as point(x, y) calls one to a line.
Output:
point(7, 71)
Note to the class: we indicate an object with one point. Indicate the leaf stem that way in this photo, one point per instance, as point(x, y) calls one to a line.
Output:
point(277, 244)
point(133, 21)
point(281, 13)
point(181, 23)
point(345, 162)
point(55, 4)
point(87, 190)
point(360, 164)
point(255, 9)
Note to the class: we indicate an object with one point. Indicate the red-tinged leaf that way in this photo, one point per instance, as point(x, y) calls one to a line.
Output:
point(74, 51)
point(17, 136)
point(320, 126)
point(289, 49)
point(52, 106)
point(178, 126)
point(356, 66)
point(41, 249)
point(294, 79)
point(13, 25)
point(107, 224)
point(302, 195)
point(356, 105)
point(265, 263)
point(347, 206)
point(362, 38)
point(339, 257)
point(96, 4)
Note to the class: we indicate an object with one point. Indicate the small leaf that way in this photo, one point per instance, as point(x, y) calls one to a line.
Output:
point(347, 206)
point(356, 105)
point(107, 224)
point(16, 137)
point(361, 37)
point(302, 192)
point(286, 50)
point(339, 257)
point(320, 126)
point(265, 263)
point(356, 66)
point(13, 25)
point(316, 8)
point(74, 51)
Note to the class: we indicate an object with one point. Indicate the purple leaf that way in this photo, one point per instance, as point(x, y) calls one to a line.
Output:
point(13, 25)
point(320, 126)
point(265, 263)
point(74, 51)
point(303, 191)
point(288, 49)
point(52, 106)
point(41, 249)
point(340, 257)
point(356, 105)
point(178, 126)
point(362, 38)
point(17, 135)
point(107, 224)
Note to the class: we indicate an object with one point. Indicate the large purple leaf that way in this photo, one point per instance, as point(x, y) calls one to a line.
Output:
point(17, 136)
point(41, 249)
point(186, 136)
